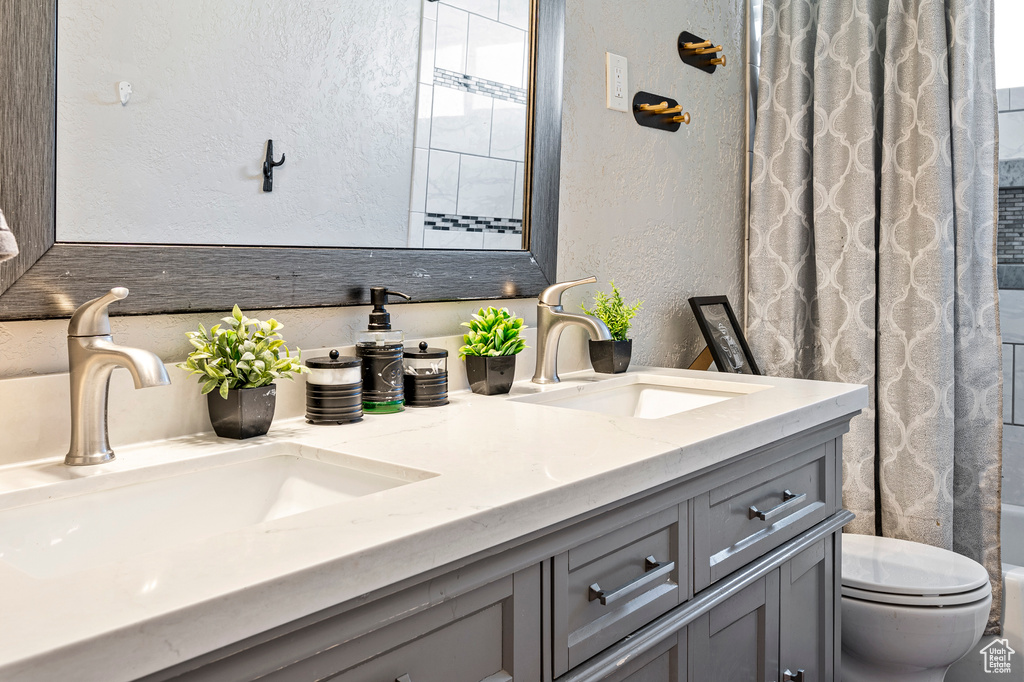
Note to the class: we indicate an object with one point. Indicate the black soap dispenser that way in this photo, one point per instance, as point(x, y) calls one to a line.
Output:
point(380, 348)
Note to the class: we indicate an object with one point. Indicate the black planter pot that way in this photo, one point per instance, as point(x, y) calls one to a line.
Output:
point(490, 375)
point(611, 357)
point(247, 412)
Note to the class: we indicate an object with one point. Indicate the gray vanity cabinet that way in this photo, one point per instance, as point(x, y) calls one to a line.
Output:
point(727, 576)
point(808, 637)
point(739, 638)
point(608, 587)
point(779, 627)
point(666, 662)
point(486, 632)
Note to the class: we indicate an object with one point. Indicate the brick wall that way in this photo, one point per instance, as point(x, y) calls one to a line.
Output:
point(1010, 237)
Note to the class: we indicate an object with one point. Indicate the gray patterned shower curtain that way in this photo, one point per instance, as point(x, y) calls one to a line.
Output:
point(872, 251)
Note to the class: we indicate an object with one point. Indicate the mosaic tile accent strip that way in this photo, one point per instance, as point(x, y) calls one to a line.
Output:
point(471, 223)
point(479, 86)
point(1010, 235)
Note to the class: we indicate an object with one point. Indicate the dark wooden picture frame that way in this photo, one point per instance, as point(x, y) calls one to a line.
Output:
point(723, 334)
point(50, 278)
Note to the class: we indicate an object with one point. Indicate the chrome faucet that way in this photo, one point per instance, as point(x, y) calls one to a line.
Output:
point(92, 357)
point(551, 320)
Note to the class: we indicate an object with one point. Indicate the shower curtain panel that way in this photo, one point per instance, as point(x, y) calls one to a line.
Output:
point(872, 251)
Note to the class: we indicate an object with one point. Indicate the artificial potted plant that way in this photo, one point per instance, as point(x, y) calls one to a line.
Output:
point(490, 350)
point(612, 357)
point(237, 365)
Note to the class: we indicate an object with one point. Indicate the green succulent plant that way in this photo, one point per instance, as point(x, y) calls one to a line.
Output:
point(492, 332)
point(247, 354)
point(614, 312)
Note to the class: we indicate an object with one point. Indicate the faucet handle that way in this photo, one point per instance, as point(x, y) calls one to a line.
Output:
point(91, 317)
point(553, 294)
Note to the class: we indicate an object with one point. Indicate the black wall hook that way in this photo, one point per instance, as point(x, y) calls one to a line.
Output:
point(268, 167)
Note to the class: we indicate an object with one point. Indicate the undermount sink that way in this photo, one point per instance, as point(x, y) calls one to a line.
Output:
point(644, 396)
point(169, 505)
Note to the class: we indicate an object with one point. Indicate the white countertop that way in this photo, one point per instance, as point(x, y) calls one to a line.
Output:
point(505, 469)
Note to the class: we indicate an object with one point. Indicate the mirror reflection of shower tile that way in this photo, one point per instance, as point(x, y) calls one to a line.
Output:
point(508, 130)
point(437, 239)
point(486, 187)
point(452, 35)
point(487, 8)
point(461, 121)
point(443, 182)
point(415, 239)
point(418, 194)
point(428, 44)
point(496, 51)
point(515, 13)
point(503, 242)
point(430, 9)
point(424, 106)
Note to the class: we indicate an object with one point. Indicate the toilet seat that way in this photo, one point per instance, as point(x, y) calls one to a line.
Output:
point(898, 572)
point(960, 599)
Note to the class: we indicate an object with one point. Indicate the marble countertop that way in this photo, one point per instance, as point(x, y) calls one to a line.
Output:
point(504, 469)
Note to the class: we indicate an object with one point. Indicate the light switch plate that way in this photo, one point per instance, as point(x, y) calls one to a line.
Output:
point(617, 76)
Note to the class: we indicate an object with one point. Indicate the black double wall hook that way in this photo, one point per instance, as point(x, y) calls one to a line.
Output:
point(268, 167)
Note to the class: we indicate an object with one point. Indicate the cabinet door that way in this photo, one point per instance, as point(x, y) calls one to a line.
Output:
point(806, 615)
point(739, 638)
point(664, 663)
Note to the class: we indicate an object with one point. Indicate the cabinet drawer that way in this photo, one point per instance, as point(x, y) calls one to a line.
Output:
point(489, 634)
point(607, 588)
point(737, 522)
point(468, 650)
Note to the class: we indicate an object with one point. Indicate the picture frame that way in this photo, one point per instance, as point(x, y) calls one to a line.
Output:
point(723, 334)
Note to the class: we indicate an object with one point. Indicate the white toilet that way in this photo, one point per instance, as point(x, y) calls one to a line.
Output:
point(909, 610)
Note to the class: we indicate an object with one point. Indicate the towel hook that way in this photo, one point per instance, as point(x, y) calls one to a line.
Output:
point(268, 167)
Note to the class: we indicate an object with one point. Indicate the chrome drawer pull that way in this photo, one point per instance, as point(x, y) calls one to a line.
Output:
point(789, 499)
point(789, 676)
point(655, 571)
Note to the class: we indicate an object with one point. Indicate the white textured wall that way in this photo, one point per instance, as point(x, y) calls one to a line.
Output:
point(660, 213)
point(33, 348)
point(332, 82)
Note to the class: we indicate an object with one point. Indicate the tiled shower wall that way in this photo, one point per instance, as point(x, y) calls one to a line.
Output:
point(1011, 317)
point(1010, 250)
point(1011, 123)
point(1010, 241)
point(470, 143)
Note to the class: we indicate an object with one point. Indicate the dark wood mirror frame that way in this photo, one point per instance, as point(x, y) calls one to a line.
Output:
point(50, 278)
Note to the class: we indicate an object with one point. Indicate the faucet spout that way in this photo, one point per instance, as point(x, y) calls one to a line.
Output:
point(147, 369)
point(92, 358)
point(597, 329)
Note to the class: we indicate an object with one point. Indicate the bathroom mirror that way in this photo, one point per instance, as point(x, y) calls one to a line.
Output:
point(100, 195)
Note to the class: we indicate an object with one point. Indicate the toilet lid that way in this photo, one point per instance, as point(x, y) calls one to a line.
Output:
point(887, 566)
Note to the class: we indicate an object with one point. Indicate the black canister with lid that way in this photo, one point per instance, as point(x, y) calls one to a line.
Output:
point(426, 377)
point(334, 389)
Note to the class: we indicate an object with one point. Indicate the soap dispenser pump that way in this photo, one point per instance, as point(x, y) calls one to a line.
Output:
point(380, 348)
